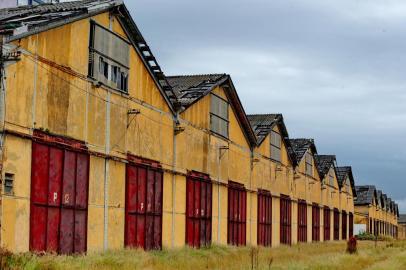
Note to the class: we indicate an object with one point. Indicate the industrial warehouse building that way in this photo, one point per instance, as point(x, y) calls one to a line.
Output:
point(101, 150)
point(376, 211)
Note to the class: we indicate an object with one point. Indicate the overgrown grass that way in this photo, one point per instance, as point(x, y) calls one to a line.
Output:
point(387, 255)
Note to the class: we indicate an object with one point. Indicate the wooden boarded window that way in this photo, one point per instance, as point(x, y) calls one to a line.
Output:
point(344, 225)
point(302, 221)
point(237, 214)
point(309, 164)
point(198, 210)
point(336, 224)
point(315, 223)
point(285, 220)
point(351, 225)
point(327, 223)
point(264, 218)
point(59, 199)
point(219, 116)
point(276, 145)
point(143, 209)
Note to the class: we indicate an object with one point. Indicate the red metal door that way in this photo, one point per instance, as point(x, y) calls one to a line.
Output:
point(59, 196)
point(198, 210)
point(344, 225)
point(351, 225)
point(302, 221)
point(327, 223)
point(237, 211)
point(336, 224)
point(286, 220)
point(315, 223)
point(143, 210)
point(264, 218)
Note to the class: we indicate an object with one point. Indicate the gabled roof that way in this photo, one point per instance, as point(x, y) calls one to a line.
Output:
point(365, 195)
point(300, 147)
point(191, 88)
point(324, 163)
point(24, 21)
point(380, 198)
point(263, 124)
point(342, 173)
point(385, 200)
point(389, 204)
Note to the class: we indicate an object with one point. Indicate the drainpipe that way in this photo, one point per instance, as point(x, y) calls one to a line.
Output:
point(106, 173)
point(176, 122)
point(2, 123)
point(106, 161)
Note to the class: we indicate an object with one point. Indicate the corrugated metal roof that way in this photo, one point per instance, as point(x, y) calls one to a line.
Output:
point(262, 125)
point(365, 195)
point(324, 163)
point(300, 147)
point(342, 173)
point(190, 88)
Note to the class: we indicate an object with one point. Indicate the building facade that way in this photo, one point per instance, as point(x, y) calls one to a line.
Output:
point(100, 150)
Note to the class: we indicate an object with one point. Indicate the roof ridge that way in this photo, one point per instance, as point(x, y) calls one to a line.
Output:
point(263, 114)
point(196, 75)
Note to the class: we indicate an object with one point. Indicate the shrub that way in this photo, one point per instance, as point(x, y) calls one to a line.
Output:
point(365, 236)
point(352, 245)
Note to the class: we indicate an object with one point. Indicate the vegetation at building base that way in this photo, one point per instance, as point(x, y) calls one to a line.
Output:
point(371, 237)
point(387, 255)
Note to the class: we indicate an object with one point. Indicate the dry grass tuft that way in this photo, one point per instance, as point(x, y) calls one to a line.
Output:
point(319, 256)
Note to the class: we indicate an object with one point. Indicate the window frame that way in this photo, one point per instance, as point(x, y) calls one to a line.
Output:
point(331, 177)
point(309, 155)
point(212, 114)
point(273, 146)
point(96, 57)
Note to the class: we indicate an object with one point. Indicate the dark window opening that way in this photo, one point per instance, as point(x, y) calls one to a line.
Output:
point(8, 183)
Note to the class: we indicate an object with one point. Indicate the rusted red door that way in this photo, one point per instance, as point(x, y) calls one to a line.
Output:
point(344, 226)
point(302, 221)
point(336, 224)
point(143, 210)
point(237, 211)
point(351, 225)
point(264, 218)
point(315, 223)
point(59, 199)
point(285, 220)
point(327, 223)
point(198, 209)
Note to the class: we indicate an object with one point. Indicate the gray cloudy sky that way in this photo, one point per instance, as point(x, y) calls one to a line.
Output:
point(335, 69)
